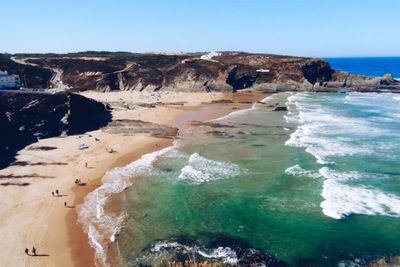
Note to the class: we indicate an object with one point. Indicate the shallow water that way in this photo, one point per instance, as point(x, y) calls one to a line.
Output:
point(315, 186)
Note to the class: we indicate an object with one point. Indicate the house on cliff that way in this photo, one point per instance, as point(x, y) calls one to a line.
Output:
point(8, 81)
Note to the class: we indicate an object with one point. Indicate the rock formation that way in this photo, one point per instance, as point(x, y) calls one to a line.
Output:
point(388, 261)
point(228, 71)
point(27, 117)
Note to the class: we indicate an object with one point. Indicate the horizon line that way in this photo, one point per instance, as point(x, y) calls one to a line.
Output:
point(198, 52)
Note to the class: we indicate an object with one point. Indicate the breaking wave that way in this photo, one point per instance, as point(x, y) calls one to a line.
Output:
point(164, 248)
point(342, 200)
point(200, 170)
point(103, 227)
point(296, 170)
point(331, 131)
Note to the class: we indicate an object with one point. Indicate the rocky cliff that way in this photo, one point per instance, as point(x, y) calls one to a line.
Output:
point(27, 117)
point(229, 71)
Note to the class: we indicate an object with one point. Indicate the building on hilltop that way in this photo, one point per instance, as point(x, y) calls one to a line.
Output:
point(8, 81)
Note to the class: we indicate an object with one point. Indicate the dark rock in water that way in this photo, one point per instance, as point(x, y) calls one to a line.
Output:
point(211, 124)
point(280, 108)
point(26, 117)
point(220, 134)
point(257, 145)
point(254, 257)
point(388, 261)
point(388, 80)
point(216, 249)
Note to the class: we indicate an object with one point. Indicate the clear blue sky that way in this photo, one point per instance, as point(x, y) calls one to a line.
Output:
point(298, 27)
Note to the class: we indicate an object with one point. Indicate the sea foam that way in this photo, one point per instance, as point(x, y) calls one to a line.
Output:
point(200, 170)
point(297, 170)
point(225, 254)
point(329, 133)
point(342, 200)
point(103, 227)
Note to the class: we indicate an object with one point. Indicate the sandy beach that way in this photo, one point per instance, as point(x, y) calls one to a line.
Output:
point(31, 216)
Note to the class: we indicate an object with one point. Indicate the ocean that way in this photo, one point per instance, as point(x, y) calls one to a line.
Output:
point(371, 66)
point(318, 185)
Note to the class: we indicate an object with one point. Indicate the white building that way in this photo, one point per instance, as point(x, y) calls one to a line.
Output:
point(210, 56)
point(9, 81)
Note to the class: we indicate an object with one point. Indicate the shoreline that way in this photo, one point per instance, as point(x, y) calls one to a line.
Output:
point(82, 252)
point(31, 216)
point(202, 112)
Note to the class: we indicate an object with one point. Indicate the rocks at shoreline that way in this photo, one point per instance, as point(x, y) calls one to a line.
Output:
point(280, 108)
point(219, 250)
point(211, 124)
point(220, 134)
point(132, 127)
point(388, 261)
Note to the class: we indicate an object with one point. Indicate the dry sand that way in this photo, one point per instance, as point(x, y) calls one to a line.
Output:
point(31, 216)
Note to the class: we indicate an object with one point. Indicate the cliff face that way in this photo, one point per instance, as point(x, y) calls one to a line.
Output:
point(186, 72)
point(230, 71)
point(26, 117)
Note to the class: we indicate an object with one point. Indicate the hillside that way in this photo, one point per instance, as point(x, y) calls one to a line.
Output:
point(229, 71)
point(35, 77)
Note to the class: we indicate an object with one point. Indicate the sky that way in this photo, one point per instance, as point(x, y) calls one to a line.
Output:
point(317, 28)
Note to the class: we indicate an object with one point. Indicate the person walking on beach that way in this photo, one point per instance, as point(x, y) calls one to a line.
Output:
point(57, 193)
point(65, 204)
point(34, 251)
point(27, 251)
point(52, 193)
point(86, 165)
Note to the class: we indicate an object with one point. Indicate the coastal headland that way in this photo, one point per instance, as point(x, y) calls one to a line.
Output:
point(118, 107)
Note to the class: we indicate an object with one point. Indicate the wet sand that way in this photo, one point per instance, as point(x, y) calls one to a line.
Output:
point(29, 215)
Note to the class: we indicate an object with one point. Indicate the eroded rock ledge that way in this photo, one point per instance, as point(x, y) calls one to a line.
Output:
point(27, 117)
point(132, 127)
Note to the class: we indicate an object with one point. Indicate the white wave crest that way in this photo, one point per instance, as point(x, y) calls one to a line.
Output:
point(328, 131)
point(342, 200)
point(102, 228)
point(200, 170)
point(296, 170)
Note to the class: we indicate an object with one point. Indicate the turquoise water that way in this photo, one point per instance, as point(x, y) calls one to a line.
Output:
point(316, 186)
